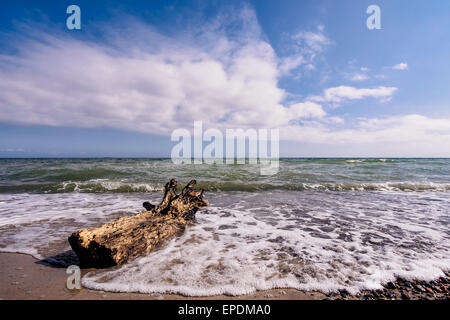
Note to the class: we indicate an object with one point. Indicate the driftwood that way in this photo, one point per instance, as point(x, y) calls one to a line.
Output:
point(117, 241)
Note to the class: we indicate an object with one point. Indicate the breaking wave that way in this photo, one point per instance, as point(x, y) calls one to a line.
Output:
point(103, 186)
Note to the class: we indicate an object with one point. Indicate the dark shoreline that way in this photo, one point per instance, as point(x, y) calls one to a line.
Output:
point(402, 289)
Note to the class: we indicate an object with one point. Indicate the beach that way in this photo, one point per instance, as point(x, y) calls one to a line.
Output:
point(319, 229)
point(24, 277)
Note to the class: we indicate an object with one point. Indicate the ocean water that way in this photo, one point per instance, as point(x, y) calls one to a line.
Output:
point(319, 224)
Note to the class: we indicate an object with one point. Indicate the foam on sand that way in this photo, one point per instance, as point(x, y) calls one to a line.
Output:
point(309, 240)
point(328, 245)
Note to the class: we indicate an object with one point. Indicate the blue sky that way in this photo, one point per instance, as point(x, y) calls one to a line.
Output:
point(137, 70)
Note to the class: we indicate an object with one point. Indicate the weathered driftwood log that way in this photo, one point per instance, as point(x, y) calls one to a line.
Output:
point(117, 241)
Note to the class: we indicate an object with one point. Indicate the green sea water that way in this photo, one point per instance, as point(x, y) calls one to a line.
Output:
point(146, 175)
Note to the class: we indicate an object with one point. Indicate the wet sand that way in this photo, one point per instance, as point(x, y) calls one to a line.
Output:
point(24, 277)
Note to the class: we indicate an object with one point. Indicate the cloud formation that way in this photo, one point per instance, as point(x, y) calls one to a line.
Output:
point(394, 136)
point(127, 84)
point(307, 45)
point(400, 66)
point(313, 42)
point(359, 77)
point(342, 93)
point(142, 80)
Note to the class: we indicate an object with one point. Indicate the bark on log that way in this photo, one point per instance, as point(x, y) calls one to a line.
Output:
point(117, 241)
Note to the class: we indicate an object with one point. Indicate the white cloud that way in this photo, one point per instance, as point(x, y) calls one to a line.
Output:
point(145, 81)
point(312, 41)
point(306, 110)
point(291, 63)
point(400, 66)
point(12, 150)
point(155, 88)
point(341, 93)
point(359, 77)
point(407, 135)
point(335, 120)
point(308, 45)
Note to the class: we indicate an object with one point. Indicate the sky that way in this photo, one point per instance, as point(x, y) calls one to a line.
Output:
point(138, 70)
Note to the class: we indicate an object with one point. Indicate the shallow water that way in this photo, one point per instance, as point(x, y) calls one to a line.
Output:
point(322, 224)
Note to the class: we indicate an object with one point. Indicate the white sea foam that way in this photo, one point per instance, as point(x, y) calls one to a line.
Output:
point(251, 241)
point(108, 185)
point(37, 223)
point(408, 186)
point(334, 243)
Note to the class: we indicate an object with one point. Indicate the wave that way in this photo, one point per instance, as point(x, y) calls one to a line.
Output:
point(104, 186)
point(92, 186)
point(64, 174)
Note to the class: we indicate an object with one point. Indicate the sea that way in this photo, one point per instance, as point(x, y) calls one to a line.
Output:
point(318, 224)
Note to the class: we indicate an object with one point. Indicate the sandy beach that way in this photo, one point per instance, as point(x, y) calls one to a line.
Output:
point(24, 277)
